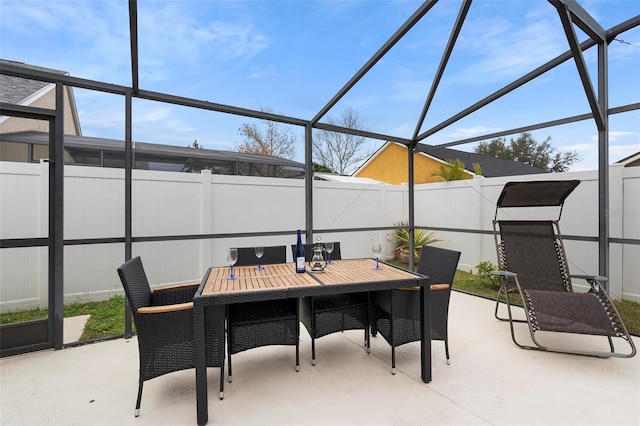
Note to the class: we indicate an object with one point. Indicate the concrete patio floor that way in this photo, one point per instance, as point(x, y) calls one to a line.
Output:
point(489, 381)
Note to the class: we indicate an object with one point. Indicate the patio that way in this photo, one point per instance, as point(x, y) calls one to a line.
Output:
point(489, 381)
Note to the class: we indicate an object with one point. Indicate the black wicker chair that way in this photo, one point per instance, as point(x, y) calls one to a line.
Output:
point(322, 315)
point(255, 324)
point(164, 325)
point(395, 314)
point(533, 265)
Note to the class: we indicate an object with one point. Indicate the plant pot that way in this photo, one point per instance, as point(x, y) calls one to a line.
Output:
point(403, 255)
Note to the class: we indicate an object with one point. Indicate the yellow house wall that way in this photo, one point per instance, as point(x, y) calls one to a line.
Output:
point(390, 166)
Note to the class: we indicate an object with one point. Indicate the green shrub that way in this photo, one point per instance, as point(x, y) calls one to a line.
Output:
point(484, 269)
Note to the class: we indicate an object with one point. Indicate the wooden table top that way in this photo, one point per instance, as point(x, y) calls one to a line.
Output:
point(248, 278)
point(354, 271)
point(283, 276)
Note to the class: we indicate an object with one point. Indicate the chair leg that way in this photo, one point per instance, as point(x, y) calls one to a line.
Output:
point(367, 336)
point(495, 313)
point(297, 337)
point(391, 335)
point(229, 353)
point(446, 351)
point(393, 359)
point(136, 413)
point(313, 333)
point(222, 380)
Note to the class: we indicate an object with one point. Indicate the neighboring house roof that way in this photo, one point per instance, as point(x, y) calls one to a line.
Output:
point(17, 90)
point(23, 91)
point(491, 166)
point(165, 157)
point(630, 161)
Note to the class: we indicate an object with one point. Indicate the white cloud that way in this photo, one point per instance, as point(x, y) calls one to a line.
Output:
point(68, 35)
point(469, 132)
point(259, 72)
point(172, 35)
point(589, 153)
point(499, 49)
point(580, 147)
point(153, 115)
point(411, 90)
point(618, 152)
point(617, 135)
point(402, 129)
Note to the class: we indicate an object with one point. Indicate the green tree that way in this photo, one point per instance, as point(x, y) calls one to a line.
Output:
point(340, 151)
point(525, 149)
point(322, 168)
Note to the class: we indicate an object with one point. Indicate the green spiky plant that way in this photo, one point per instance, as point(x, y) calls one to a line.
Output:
point(453, 170)
point(421, 237)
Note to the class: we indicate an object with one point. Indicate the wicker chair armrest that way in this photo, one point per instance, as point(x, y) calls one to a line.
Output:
point(177, 287)
point(504, 273)
point(434, 287)
point(165, 308)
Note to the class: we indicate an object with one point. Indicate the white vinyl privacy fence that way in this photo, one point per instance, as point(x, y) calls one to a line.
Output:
point(179, 205)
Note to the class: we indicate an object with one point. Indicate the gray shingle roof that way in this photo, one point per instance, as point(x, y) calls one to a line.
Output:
point(491, 166)
point(15, 89)
point(157, 152)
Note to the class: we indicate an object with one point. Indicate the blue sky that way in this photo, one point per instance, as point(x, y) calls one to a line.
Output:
point(293, 56)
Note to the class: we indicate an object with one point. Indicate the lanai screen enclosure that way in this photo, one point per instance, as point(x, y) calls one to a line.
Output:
point(571, 17)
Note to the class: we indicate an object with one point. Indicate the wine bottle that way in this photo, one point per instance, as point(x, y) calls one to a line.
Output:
point(299, 255)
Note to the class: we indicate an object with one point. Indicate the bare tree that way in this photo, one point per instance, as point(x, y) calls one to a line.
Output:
point(340, 151)
point(270, 138)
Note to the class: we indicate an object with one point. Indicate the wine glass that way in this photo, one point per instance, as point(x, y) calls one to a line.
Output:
point(259, 254)
point(232, 258)
point(329, 250)
point(377, 251)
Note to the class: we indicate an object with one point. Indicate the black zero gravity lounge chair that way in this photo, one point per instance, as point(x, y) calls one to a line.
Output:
point(533, 264)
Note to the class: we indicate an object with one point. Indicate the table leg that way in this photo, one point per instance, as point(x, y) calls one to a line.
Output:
point(425, 330)
point(201, 363)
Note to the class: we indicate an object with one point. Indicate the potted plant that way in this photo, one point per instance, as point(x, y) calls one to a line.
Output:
point(421, 237)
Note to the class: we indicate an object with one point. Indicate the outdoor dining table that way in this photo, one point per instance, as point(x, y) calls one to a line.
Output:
point(280, 281)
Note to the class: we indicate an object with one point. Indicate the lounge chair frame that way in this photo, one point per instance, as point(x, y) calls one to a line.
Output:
point(526, 252)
